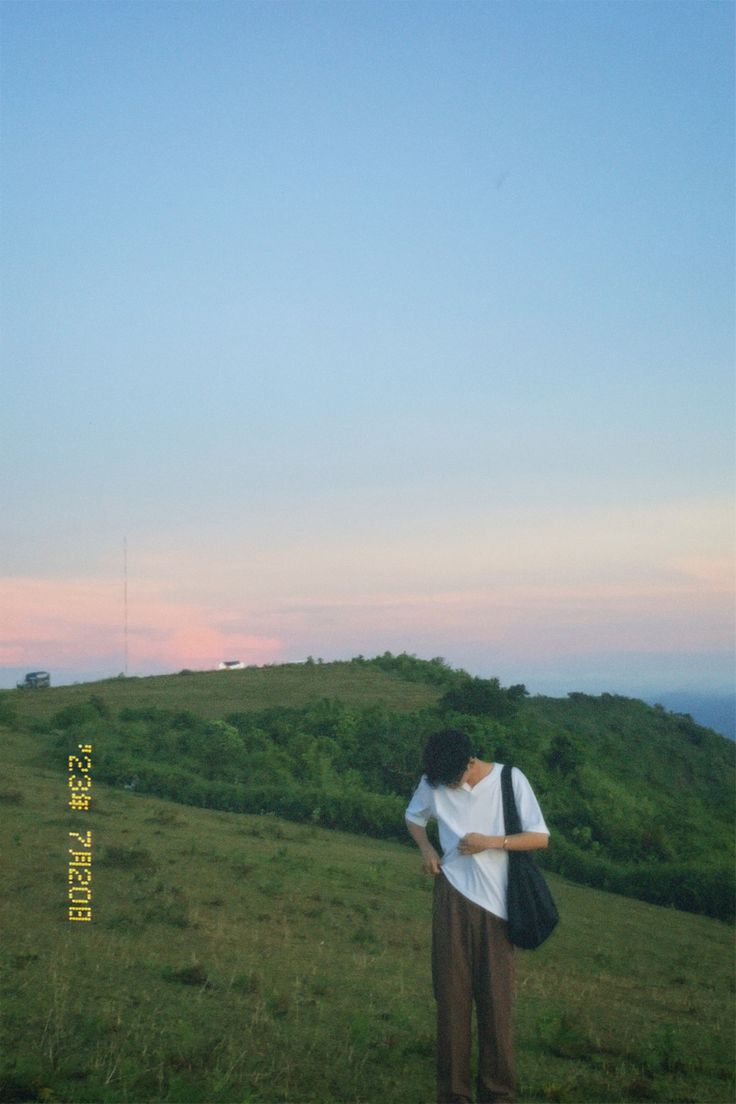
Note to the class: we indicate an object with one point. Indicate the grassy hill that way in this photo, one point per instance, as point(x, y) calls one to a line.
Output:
point(244, 958)
point(639, 800)
point(213, 694)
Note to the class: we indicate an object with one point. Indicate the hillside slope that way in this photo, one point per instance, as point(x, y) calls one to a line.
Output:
point(214, 694)
point(640, 801)
point(236, 957)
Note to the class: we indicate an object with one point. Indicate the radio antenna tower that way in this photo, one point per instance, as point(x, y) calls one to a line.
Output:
point(125, 603)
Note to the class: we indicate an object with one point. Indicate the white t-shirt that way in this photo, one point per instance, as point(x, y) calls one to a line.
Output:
point(481, 878)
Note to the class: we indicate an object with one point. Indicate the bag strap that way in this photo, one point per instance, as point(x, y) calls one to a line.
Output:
point(511, 821)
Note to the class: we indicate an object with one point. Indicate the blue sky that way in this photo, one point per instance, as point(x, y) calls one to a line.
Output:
point(370, 325)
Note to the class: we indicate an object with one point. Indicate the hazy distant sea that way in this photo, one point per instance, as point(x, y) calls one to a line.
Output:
point(716, 711)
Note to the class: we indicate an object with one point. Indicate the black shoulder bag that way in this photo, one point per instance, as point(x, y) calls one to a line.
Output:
point(532, 913)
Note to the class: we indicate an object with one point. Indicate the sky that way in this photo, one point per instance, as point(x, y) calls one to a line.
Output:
point(353, 327)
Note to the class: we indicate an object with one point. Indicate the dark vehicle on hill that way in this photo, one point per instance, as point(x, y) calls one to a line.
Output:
point(35, 680)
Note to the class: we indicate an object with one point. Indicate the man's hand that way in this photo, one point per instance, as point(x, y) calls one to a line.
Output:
point(431, 862)
point(474, 843)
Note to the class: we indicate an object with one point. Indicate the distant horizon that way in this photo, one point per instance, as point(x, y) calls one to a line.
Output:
point(715, 708)
point(548, 684)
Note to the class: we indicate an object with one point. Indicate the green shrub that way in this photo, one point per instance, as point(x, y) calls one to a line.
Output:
point(709, 890)
point(74, 715)
point(483, 697)
point(435, 672)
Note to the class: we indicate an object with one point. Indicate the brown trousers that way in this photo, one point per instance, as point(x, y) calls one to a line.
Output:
point(472, 959)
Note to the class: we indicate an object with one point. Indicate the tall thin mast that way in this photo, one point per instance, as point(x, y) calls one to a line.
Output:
point(125, 602)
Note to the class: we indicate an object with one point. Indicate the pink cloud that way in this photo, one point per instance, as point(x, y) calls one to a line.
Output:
point(66, 622)
point(525, 621)
point(79, 622)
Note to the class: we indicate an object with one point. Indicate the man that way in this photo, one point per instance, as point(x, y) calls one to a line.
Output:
point(472, 958)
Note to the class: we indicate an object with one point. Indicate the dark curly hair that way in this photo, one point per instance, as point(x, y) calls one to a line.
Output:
point(446, 756)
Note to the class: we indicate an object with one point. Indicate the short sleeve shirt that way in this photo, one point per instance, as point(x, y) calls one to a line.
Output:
point(482, 878)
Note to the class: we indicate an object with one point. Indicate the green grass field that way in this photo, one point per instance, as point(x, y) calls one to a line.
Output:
point(237, 958)
point(214, 694)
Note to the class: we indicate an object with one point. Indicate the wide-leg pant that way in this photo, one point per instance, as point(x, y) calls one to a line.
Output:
point(472, 959)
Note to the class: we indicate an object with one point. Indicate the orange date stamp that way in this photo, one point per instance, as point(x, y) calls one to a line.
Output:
point(79, 874)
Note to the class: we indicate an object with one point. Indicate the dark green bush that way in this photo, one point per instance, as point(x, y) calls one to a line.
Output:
point(435, 672)
point(709, 890)
point(74, 715)
point(483, 697)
